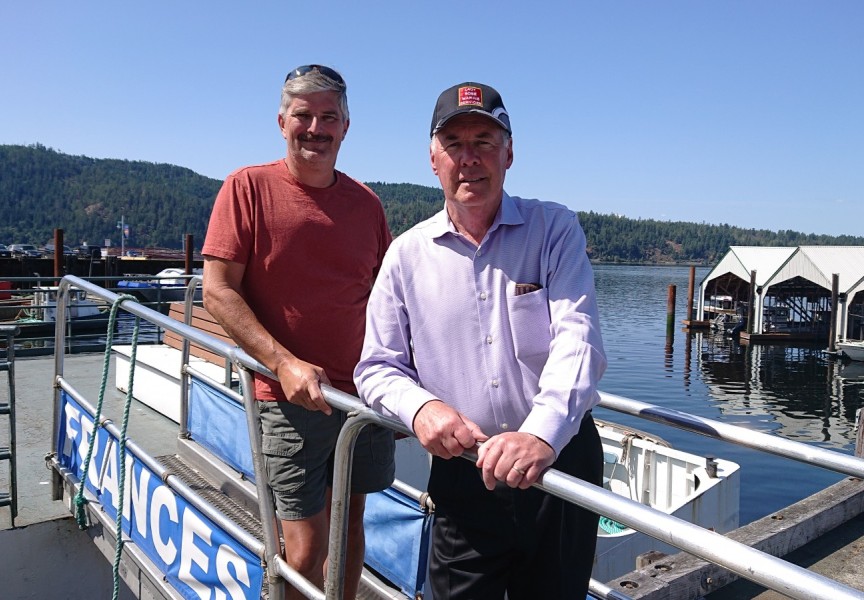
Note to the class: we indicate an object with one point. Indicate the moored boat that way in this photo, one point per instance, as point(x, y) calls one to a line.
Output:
point(854, 349)
point(36, 316)
point(168, 285)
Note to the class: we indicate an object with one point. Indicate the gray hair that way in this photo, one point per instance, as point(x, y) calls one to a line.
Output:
point(311, 83)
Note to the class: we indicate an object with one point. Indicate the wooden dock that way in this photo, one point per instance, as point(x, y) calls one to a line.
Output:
point(805, 337)
point(823, 533)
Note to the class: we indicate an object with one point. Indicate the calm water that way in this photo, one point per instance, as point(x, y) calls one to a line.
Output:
point(798, 393)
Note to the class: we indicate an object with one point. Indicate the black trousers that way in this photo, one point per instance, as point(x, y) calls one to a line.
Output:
point(525, 543)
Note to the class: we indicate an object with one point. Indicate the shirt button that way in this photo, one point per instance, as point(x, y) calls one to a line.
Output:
point(504, 426)
point(495, 383)
point(488, 339)
point(482, 295)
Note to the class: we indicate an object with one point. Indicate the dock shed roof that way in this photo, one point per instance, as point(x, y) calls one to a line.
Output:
point(819, 263)
point(741, 260)
point(774, 265)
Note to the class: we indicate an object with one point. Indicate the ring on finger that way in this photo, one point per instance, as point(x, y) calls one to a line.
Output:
point(518, 470)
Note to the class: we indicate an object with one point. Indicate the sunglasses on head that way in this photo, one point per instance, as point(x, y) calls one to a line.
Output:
point(325, 71)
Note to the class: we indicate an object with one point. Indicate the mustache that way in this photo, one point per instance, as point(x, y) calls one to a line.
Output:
point(308, 137)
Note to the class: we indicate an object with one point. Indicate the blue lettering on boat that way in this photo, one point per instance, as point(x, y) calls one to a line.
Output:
point(199, 559)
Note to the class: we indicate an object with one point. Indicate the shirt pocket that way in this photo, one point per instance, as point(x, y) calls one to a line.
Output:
point(529, 325)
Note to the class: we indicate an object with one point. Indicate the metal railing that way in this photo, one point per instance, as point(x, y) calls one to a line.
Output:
point(8, 453)
point(747, 562)
point(756, 440)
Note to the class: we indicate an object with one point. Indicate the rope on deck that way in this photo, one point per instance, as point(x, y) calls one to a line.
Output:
point(80, 501)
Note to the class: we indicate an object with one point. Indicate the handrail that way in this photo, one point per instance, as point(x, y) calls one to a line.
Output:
point(743, 560)
point(828, 459)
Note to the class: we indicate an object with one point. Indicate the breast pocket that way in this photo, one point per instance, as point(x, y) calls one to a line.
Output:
point(529, 326)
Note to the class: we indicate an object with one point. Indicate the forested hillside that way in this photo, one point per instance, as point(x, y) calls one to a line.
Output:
point(42, 189)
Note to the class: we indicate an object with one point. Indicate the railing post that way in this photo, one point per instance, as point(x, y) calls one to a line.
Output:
point(341, 501)
point(265, 498)
point(859, 439)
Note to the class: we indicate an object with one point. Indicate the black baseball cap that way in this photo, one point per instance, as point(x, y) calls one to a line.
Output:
point(470, 97)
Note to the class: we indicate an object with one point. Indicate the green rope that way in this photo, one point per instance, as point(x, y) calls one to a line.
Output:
point(610, 526)
point(121, 484)
point(80, 501)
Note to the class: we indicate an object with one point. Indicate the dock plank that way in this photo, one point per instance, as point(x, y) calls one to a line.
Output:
point(686, 577)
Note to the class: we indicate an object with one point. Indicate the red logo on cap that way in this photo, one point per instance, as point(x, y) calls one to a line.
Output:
point(470, 96)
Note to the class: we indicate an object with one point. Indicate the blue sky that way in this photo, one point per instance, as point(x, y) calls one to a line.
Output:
point(747, 113)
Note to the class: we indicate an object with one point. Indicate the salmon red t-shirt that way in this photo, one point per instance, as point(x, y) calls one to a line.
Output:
point(311, 256)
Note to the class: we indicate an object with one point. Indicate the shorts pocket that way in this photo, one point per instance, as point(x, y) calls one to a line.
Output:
point(287, 444)
point(286, 471)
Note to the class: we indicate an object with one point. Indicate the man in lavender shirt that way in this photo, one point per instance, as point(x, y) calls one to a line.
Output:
point(482, 328)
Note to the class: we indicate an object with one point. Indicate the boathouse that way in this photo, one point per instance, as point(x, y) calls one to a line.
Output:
point(804, 293)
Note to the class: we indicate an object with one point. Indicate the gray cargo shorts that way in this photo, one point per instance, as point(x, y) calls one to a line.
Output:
point(298, 447)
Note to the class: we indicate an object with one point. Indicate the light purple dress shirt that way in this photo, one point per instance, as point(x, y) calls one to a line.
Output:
point(444, 322)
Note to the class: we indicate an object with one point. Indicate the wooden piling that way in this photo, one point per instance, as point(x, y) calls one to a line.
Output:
point(832, 322)
point(188, 248)
point(670, 315)
point(691, 285)
point(58, 253)
point(689, 322)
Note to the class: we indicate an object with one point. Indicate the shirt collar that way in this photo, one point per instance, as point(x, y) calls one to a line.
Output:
point(508, 214)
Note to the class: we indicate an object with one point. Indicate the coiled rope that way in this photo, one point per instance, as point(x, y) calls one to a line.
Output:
point(610, 526)
point(80, 501)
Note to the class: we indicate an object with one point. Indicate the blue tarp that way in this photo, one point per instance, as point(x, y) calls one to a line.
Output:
point(397, 529)
point(397, 539)
point(218, 423)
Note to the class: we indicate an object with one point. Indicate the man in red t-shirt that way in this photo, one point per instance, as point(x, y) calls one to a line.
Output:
point(291, 252)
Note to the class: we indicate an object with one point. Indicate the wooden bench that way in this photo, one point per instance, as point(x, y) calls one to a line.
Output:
point(203, 320)
point(158, 368)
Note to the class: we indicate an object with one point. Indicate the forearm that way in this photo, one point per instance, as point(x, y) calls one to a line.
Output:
point(390, 388)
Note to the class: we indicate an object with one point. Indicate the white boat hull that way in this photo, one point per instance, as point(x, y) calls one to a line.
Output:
point(648, 471)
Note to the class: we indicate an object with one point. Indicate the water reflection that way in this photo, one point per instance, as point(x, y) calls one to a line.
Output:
point(808, 395)
point(800, 387)
point(799, 393)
